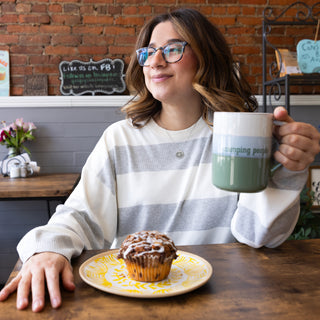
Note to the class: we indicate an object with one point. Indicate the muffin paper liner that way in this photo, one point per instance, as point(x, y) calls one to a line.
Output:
point(148, 269)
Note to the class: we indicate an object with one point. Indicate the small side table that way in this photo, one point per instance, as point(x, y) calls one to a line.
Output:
point(53, 186)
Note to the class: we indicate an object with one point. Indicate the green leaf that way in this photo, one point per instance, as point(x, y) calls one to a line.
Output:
point(26, 149)
point(308, 225)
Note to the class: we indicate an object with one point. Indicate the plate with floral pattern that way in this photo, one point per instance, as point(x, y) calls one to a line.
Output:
point(107, 273)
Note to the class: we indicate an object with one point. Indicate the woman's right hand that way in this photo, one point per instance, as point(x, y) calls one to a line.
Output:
point(46, 267)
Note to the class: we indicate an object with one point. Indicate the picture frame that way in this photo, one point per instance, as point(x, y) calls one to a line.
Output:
point(314, 185)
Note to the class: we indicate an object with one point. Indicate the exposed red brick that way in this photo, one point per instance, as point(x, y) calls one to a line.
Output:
point(218, 11)
point(8, 7)
point(44, 69)
point(122, 40)
point(71, 8)
point(16, 91)
point(34, 19)
point(113, 10)
point(116, 30)
point(87, 29)
point(61, 50)
point(21, 70)
point(40, 8)
point(66, 39)
point(97, 20)
point(97, 1)
point(130, 10)
point(90, 50)
point(9, 18)
point(26, 49)
point(129, 21)
point(101, 40)
point(54, 29)
point(23, 8)
point(144, 10)
point(68, 20)
point(54, 8)
point(8, 39)
point(120, 50)
point(22, 29)
point(40, 34)
point(18, 59)
point(136, 2)
point(86, 9)
point(35, 39)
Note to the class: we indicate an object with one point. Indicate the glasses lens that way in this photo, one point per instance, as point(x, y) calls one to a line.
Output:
point(173, 52)
point(142, 55)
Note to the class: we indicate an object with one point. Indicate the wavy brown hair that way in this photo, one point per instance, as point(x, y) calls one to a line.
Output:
point(219, 82)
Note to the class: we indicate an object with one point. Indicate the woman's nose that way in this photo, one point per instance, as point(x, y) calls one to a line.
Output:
point(158, 59)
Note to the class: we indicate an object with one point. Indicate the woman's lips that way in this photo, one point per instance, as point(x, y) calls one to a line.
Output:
point(160, 77)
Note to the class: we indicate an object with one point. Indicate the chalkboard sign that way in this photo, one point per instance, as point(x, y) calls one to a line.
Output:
point(104, 76)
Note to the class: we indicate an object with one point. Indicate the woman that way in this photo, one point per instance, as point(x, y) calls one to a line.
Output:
point(153, 171)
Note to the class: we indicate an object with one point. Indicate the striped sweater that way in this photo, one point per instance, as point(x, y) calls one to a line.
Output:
point(134, 181)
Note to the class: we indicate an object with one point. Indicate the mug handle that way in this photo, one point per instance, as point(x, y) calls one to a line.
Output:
point(274, 169)
point(279, 165)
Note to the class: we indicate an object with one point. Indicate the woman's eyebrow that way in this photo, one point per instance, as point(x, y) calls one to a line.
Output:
point(152, 44)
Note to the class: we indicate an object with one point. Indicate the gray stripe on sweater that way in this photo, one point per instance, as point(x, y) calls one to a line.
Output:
point(254, 232)
point(161, 157)
point(184, 216)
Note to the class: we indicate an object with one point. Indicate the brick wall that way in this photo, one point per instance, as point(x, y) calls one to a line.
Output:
point(40, 34)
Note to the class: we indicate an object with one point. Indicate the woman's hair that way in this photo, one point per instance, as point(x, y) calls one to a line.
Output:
point(218, 80)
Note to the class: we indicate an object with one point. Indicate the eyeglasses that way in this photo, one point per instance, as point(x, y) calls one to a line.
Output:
point(171, 53)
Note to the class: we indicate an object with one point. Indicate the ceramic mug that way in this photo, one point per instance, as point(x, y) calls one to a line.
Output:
point(15, 171)
point(242, 145)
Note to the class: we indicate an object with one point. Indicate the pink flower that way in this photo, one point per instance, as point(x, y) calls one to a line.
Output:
point(19, 122)
point(31, 126)
point(15, 134)
point(13, 126)
point(2, 135)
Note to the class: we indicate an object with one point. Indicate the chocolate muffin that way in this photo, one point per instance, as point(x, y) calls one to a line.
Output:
point(148, 255)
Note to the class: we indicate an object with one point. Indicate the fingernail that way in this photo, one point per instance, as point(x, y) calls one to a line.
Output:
point(36, 305)
point(22, 303)
point(55, 303)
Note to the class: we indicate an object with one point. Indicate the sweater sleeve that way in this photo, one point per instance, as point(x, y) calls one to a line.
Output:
point(267, 218)
point(81, 222)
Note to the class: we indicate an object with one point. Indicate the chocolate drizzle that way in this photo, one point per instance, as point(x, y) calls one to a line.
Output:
point(147, 243)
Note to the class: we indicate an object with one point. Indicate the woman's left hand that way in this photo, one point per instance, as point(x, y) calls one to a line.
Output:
point(299, 142)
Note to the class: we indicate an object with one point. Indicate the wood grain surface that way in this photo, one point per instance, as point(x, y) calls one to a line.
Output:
point(280, 283)
point(38, 186)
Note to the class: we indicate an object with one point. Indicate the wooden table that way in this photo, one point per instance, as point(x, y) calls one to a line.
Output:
point(54, 186)
point(281, 283)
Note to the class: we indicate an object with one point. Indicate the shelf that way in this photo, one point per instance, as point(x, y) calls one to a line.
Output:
point(305, 79)
point(276, 87)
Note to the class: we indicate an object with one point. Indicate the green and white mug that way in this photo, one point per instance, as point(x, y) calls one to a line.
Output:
point(242, 145)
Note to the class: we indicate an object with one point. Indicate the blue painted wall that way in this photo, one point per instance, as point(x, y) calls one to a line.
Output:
point(65, 137)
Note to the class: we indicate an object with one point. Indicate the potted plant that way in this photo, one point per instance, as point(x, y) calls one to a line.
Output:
point(308, 225)
point(14, 135)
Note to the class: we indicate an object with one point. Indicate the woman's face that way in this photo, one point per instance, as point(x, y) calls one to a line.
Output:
point(170, 83)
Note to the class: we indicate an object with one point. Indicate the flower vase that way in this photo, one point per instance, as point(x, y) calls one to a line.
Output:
point(13, 152)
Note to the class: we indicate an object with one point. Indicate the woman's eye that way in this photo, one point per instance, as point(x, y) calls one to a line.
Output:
point(151, 52)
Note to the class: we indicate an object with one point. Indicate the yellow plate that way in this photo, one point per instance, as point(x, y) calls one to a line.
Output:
point(105, 272)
